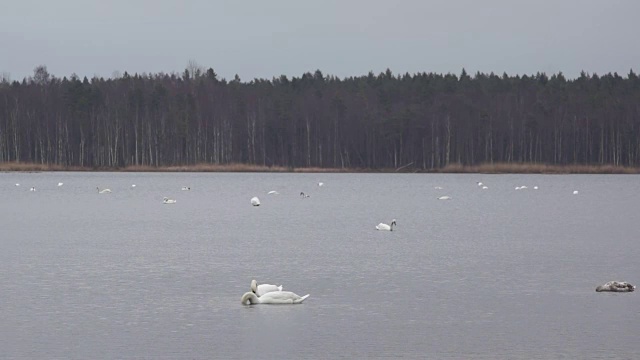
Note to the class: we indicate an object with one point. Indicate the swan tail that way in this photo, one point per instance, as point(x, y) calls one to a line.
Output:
point(303, 298)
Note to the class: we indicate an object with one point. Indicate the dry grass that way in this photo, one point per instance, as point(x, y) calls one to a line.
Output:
point(496, 168)
point(524, 168)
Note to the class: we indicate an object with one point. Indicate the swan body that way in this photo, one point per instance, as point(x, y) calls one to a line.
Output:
point(255, 201)
point(186, 188)
point(385, 227)
point(303, 195)
point(444, 197)
point(60, 184)
point(616, 286)
point(273, 192)
point(263, 288)
point(274, 297)
point(32, 189)
point(103, 191)
point(166, 200)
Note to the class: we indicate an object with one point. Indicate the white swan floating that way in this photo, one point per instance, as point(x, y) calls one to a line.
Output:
point(17, 184)
point(255, 201)
point(485, 187)
point(480, 183)
point(273, 192)
point(274, 297)
point(303, 195)
point(262, 289)
point(103, 191)
point(320, 184)
point(134, 185)
point(186, 188)
point(166, 200)
point(616, 286)
point(575, 192)
point(444, 197)
point(385, 227)
point(60, 184)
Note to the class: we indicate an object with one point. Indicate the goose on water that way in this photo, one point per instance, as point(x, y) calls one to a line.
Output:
point(616, 286)
point(263, 288)
point(274, 297)
point(255, 201)
point(103, 191)
point(166, 200)
point(383, 226)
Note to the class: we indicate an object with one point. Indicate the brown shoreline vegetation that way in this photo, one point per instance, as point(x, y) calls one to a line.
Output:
point(495, 168)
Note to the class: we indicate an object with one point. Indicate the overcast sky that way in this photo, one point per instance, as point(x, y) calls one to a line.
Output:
point(267, 38)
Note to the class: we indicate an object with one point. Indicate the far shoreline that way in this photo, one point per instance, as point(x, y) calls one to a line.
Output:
point(496, 168)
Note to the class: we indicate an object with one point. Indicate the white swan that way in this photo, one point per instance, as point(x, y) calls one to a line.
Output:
point(60, 184)
point(535, 188)
point(444, 197)
point(274, 297)
point(103, 191)
point(320, 184)
point(480, 183)
point(616, 286)
point(263, 288)
point(255, 201)
point(273, 192)
point(383, 226)
point(523, 187)
point(485, 187)
point(575, 192)
point(32, 189)
point(166, 200)
point(134, 185)
point(517, 187)
point(303, 195)
point(186, 188)
point(17, 184)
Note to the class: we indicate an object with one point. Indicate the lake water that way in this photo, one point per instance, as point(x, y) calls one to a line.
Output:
point(490, 274)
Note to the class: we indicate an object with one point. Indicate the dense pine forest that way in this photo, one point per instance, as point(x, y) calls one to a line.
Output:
point(377, 121)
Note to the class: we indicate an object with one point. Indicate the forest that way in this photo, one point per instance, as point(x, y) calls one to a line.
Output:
point(418, 121)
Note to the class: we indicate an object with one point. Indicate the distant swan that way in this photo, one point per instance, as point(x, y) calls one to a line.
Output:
point(575, 192)
point(438, 187)
point(274, 297)
point(134, 185)
point(320, 184)
point(103, 191)
point(444, 197)
point(479, 183)
point(17, 184)
point(273, 192)
point(255, 201)
point(166, 200)
point(302, 194)
point(485, 187)
point(186, 188)
point(32, 189)
point(535, 188)
point(263, 288)
point(616, 286)
point(386, 227)
point(60, 184)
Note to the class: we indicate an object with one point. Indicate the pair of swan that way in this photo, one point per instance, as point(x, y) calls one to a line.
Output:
point(270, 294)
point(255, 201)
point(616, 286)
point(386, 227)
point(166, 200)
point(103, 191)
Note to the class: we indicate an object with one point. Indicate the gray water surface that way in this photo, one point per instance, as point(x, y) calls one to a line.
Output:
point(495, 274)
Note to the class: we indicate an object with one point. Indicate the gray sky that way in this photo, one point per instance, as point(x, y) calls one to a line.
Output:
point(351, 37)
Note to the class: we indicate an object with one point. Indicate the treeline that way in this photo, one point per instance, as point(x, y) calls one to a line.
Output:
point(421, 121)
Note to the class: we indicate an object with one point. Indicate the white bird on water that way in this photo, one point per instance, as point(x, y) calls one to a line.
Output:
point(17, 184)
point(60, 184)
point(444, 197)
point(273, 192)
point(485, 187)
point(263, 288)
point(186, 188)
point(480, 183)
point(134, 185)
point(32, 189)
point(166, 200)
point(438, 187)
point(103, 191)
point(303, 195)
point(575, 192)
point(385, 227)
point(320, 184)
point(255, 201)
point(274, 297)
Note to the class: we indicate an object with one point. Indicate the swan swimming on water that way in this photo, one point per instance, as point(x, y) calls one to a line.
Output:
point(134, 185)
point(273, 192)
point(274, 297)
point(255, 201)
point(263, 288)
point(103, 191)
point(60, 184)
point(575, 192)
point(303, 195)
point(444, 197)
point(320, 184)
point(383, 226)
point(166, 200)
point(33, 189)
point(616, 286)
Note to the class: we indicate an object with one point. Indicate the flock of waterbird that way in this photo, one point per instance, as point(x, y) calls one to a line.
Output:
point(272, 294)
